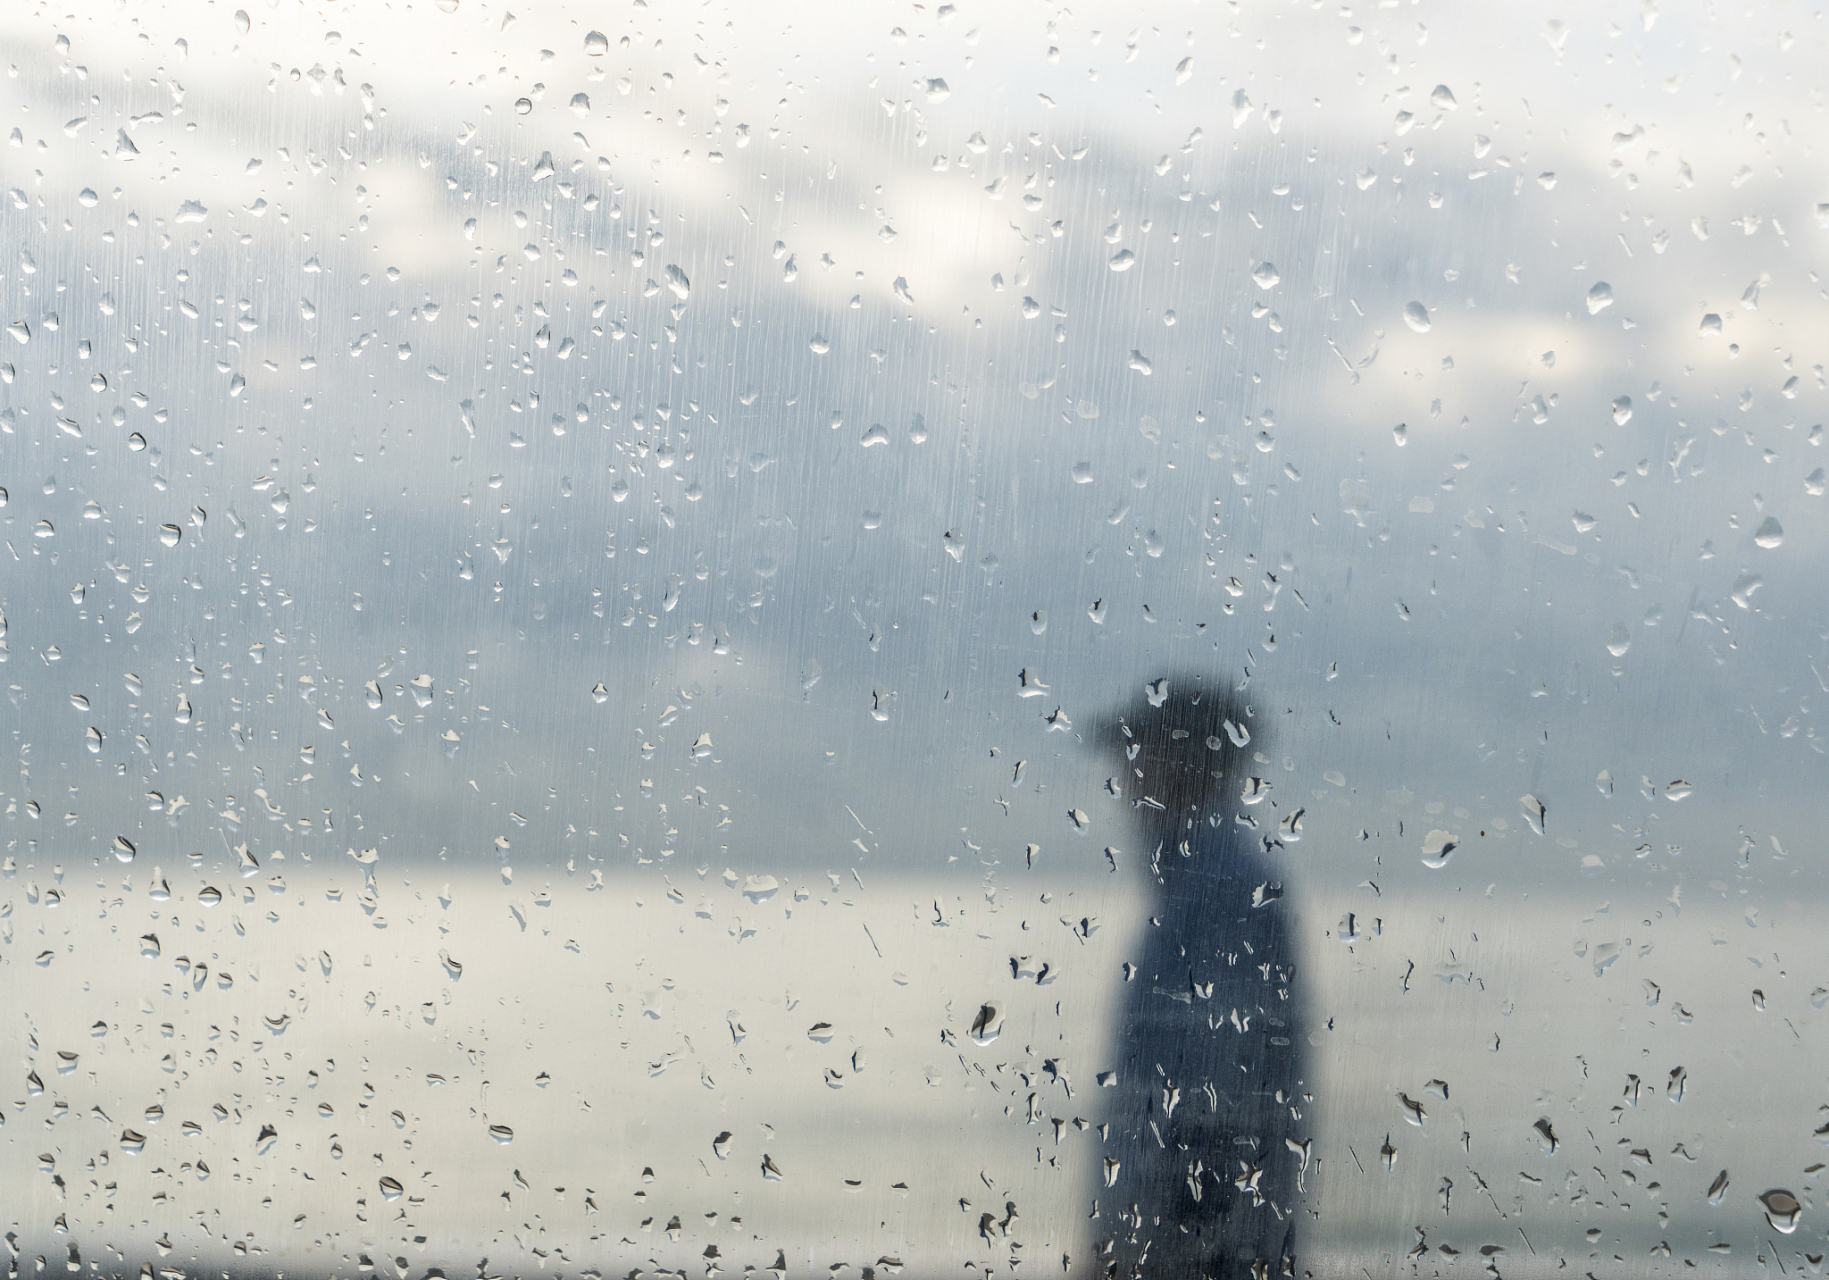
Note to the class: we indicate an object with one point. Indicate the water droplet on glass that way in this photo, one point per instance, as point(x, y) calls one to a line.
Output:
point(1600, 297)
point(1770, 534)
point(390, 1188)
point(1438, 847)
point(987, 1024)
point(1782, 1210)
point(1717, 1190)
point(123, 849)
point(1416, 315)
point(1534, 812)
point(1619, 640)
point(501, 1133)
point(1266, 277)
point(1546, 1134)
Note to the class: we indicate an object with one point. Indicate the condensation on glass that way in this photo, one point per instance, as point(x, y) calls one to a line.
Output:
point(997, 639)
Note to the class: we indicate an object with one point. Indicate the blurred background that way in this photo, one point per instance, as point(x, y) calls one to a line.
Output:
point(560, 569)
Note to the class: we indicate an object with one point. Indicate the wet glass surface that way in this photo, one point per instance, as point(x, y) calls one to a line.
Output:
point(1097, 640)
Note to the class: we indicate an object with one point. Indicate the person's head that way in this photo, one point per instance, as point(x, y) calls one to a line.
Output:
point(1181, 745)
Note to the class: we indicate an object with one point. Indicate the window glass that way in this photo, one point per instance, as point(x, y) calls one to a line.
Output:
point(1103, 640)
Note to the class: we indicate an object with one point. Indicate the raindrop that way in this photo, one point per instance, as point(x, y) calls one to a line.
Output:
point(1619, 640)
point(1622, 411)
point(1782, 1210)
point(987, 1025)
point(1438, 847)
point(1546, 1134)
point(522, 106)
point(1534, 812)
point(1416, 315)
point(501, 1133)
point(1717, 1190)
point(1266, 277)
point(123, 849)
point(169, 534)
point(1600, 297)
point(390, 1188)
point(1770, 534)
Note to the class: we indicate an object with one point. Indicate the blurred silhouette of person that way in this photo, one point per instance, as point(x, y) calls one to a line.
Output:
point(1204, 1127)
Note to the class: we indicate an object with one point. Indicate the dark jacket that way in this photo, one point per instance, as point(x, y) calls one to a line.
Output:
point(1205, 1129)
